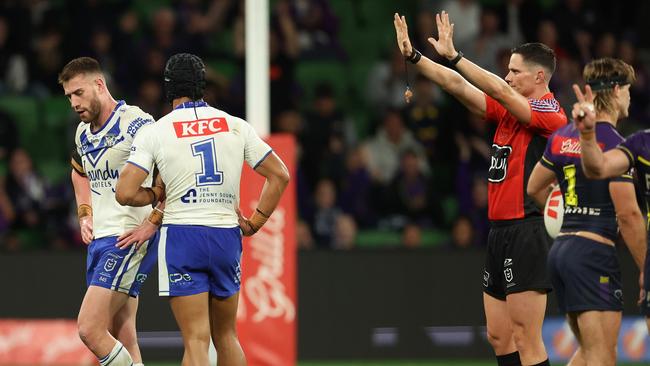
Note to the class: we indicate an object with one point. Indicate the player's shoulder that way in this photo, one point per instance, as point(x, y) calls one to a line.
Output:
point(547, 104)
point(81, 128)
point(133, 119)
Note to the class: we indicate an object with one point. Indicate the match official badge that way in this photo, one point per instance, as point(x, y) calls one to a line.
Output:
point(486, 278)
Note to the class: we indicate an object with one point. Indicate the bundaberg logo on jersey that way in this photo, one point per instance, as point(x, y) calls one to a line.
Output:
point(498, 163)
point(200, 127)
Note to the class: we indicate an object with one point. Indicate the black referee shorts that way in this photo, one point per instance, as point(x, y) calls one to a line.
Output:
point(516, 258)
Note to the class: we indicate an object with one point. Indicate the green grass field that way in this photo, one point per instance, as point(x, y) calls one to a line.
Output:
point(395, 363)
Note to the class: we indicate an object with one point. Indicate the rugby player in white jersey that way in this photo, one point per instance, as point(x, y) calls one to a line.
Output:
point(114, 275)
point(200, 151)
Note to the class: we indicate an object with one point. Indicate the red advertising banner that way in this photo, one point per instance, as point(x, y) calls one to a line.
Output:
point(42, 342)
point(267, 301)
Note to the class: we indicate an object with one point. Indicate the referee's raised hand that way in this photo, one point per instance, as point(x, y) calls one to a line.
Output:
point(444, 45)
point(401, 30)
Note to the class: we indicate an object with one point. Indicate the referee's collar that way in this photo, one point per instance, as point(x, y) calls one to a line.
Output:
point(192, 104)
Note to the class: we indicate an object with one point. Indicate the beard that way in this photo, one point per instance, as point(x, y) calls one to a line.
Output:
point(92, 111)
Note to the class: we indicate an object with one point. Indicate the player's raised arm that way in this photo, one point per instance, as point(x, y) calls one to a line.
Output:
point(595, 163)
point(448, 79)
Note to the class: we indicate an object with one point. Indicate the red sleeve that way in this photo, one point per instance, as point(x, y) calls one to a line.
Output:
point(494, 111)
point(546, 116)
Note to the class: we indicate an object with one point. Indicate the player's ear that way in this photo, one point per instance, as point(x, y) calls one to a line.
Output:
point(540, 77)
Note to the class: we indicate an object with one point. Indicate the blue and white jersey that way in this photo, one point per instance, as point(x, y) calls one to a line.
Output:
point(103, 154)
point(199, 153)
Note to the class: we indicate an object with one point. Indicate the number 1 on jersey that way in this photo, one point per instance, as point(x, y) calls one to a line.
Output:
point(209, 174)
point(570, 197)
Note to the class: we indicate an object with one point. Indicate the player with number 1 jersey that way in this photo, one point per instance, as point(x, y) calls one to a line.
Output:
point(199, 151)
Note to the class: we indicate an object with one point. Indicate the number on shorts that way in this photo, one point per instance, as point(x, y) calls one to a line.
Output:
point(570, 197)
point(209, 174)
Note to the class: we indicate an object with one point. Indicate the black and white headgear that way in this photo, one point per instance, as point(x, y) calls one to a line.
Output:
point(184, 77)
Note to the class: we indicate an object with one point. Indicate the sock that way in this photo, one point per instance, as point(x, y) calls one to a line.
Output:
point(119, 356)
point(138, 364)
point(544, 363)
point(511, 359)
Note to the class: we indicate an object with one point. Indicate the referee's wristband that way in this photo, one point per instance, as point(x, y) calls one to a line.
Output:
point(455, 60)
point(415, 56)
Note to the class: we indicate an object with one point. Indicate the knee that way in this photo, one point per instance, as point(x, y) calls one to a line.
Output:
point(88, 332)
point(498, 338)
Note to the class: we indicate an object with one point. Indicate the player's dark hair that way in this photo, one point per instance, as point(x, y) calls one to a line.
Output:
point(184, 77)
point(537, 53)
point(603, 75)
point(81, 65)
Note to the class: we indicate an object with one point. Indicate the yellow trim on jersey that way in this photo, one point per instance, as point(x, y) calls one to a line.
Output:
point(644, 161)
point(627, 151)
point(626, 176)
point(547, 161)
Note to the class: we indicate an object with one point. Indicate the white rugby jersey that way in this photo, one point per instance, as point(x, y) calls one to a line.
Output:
point(103, 154)
point(200, 158)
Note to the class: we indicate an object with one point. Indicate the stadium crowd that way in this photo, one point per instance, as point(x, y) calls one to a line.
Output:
point(367, 160)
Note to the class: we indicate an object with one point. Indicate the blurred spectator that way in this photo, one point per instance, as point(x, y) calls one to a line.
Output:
point(484, 47)
point(467, 14)
point(48, 61)
point(640, 90)
point(317, 29)
point(411, 194)
point(386, 83)
point(27, 194)
point(345, 233)
point(388, 145)
point(357, 189)
point(327, 135)
point(412, 236)
point(326, 214)
point(576, 21)
point(150, 97)
point(606, 45)
point(425, 118)
point(547, 34)
point(462, 234)
point(304, 239)
point(284, 50)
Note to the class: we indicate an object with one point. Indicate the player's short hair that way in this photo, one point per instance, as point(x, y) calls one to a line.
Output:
point(80, 65)
point(539, 54)
point(603, 75)
point(184, 77)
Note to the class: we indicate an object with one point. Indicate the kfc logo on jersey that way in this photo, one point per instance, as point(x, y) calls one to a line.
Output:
point(201, 127)
point(498, 163)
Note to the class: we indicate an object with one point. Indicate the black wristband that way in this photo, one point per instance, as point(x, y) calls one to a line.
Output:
point(414, 57)
point(455, 60)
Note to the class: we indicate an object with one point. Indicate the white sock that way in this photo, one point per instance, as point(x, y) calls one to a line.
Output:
point(138, 364)
point(119, 356)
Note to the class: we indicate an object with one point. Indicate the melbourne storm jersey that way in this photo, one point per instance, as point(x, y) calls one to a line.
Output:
point(103, 154)
point(199, 151)
point(587, 203)
point(637, 149)
point(516, 148)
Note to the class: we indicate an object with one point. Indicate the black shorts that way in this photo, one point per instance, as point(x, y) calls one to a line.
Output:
point(585, 275)
point(516, 258)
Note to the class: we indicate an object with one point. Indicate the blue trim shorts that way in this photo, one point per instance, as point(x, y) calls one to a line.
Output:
point(585, 275)
point(193, 259)
point(122, 270)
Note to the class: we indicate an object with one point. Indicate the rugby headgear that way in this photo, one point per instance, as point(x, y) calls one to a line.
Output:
point(184, 77)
